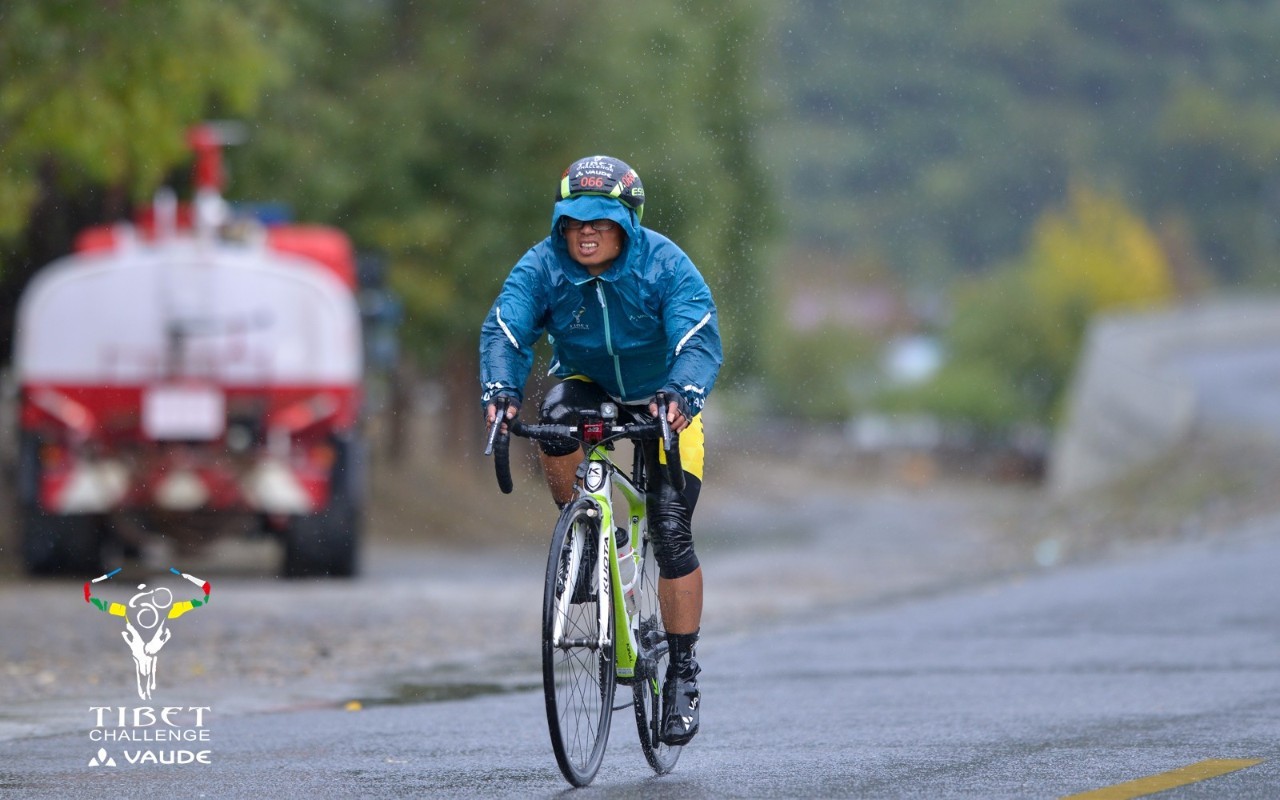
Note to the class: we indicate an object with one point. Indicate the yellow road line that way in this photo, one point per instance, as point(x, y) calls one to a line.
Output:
point(1192, 773)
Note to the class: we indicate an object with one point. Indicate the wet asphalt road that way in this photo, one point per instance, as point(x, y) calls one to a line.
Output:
point(419, 617)
point(1237, 388)
point(1023, 687)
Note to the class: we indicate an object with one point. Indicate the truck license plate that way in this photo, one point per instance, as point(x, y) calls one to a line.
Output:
point(183, 412)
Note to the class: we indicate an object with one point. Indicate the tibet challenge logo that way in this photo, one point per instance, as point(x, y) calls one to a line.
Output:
point(146, 621)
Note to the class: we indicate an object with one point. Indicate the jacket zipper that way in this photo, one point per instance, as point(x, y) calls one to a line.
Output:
point(608, 340)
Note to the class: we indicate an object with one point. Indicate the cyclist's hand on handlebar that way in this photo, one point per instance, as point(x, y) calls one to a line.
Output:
point(677, 410)
point(491, 410)
point(496, 443)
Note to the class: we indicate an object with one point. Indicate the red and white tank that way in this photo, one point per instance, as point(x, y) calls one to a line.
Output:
point(192, 363)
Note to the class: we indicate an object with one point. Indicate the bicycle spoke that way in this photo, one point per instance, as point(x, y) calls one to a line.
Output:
point(653, 655)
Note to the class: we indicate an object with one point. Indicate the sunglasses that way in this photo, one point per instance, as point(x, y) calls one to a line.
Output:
point(600, 225)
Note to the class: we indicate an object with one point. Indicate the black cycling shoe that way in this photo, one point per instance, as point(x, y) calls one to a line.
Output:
point(680, 695)
point(680, 699)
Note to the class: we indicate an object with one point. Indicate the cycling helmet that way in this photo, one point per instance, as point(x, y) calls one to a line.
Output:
point(604, 175)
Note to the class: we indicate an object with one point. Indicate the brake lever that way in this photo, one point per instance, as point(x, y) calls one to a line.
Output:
point(499, 417)
point(670, 444)
point(502, 453)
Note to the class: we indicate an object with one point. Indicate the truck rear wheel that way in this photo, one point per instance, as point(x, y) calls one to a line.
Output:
point(61, 544)
point(323, 544)
point(327, 543)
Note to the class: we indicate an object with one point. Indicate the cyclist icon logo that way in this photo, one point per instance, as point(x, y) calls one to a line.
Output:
point(146, 618)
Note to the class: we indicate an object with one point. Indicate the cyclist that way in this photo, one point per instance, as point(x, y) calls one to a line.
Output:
point(628, 315)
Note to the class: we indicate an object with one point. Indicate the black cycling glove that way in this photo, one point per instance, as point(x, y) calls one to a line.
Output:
point(674, 393)
point(511, 400)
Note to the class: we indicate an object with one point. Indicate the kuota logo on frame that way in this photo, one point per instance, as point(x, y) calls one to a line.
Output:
point(153, 731)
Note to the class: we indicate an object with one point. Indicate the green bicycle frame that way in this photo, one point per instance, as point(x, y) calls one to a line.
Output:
point(601, 477)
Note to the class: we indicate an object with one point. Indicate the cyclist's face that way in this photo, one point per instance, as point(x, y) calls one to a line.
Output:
point(594, 249)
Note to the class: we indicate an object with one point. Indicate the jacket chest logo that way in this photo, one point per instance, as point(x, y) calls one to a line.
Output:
point(578, 324)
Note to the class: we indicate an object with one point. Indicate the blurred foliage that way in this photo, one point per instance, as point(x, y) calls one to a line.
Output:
point(433, 132)
point(941, 138)
point(101, 94)
point(1015, 333)
point(819, 374)
point(1095, 254)
point(936, 132)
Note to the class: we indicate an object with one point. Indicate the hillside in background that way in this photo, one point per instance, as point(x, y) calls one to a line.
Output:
point(931, 135)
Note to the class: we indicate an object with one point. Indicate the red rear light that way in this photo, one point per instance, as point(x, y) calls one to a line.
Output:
point(52, 456)
point(593, 431)
point(322, 456)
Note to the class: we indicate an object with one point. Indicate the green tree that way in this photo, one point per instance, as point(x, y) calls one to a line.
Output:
point(95, 103)
point(101, 94)
point(938, 132)
point(437, 135)
point(1015, 335)
point(432, 132)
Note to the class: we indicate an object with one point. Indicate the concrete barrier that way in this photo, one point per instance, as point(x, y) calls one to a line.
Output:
point(1137, 392)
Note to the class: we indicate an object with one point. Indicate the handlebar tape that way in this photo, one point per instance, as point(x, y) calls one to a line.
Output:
point(498, 445)
point(499, 414)
point(502, 462)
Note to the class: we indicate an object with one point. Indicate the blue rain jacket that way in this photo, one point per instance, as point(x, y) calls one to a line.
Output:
point(646, 324)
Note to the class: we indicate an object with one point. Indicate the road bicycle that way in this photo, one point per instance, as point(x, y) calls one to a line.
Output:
point(597, 631)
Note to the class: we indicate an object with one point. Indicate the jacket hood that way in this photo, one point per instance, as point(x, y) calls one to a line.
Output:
point(589, 207)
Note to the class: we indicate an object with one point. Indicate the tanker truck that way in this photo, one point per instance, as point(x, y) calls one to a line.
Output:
point(191, 374)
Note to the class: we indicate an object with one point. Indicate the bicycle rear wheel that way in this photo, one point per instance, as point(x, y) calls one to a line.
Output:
point(651, 667)
point(578, 672)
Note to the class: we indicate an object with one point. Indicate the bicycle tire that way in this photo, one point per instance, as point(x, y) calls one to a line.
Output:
point(578, 680)
point(651, 667)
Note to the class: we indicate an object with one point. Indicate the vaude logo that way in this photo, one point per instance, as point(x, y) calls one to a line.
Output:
point(167, 757)
point(146, 622)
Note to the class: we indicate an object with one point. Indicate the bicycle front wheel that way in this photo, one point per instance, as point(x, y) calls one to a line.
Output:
point(651, 667)
point(578, 673)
